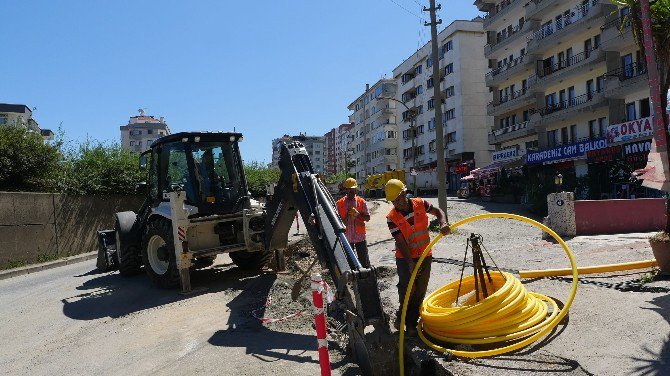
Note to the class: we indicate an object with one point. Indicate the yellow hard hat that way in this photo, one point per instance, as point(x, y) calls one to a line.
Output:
point(393, 189)
point(350, 183)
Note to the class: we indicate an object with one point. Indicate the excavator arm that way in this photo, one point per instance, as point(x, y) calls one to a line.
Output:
point(300, 190)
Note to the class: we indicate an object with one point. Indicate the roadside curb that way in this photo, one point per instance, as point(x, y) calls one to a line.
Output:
point(5, 274)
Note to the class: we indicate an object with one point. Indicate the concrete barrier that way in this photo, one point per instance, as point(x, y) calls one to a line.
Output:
point(619, 216)
point(41, 226)
point(592, 217)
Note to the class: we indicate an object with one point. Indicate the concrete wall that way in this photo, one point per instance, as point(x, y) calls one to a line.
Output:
point(36, 226)
point(619, 216)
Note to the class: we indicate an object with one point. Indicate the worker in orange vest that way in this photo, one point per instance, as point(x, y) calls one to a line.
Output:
point(408, 223)
point(354, 213)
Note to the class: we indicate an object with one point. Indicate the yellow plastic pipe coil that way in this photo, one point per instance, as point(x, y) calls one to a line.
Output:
point(509, 313)
point(589, 269)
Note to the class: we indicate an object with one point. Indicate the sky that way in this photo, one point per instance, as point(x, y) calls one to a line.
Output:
point(263, 68)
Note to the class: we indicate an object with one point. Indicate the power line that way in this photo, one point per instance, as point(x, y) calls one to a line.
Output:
point(407, 10)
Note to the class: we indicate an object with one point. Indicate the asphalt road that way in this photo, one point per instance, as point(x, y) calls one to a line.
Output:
point(73, 320)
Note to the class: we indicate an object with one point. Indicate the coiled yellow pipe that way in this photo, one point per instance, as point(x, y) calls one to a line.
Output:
point(509, 313)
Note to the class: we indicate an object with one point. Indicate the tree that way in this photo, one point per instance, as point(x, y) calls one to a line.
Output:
point(97, 168)
point(259, 177)
point(26, 162)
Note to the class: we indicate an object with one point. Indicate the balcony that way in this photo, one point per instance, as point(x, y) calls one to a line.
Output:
point(498, 11)
point(614, 39)
point(507, 38)
point(577, 64)
point(512, 132)
point(518, 65)
point(588, 102)
point(537, 9)
point(626, 80)
point(562, 30)
point(385, 111)
point(517, 99)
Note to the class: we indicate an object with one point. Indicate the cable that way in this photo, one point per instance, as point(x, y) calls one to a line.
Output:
point(510, 313)
point(408, 11)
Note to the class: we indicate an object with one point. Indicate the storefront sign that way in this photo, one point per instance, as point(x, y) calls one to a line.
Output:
point(607, 154)
point(505, 154)
point(630, 130)
point(637, 147)
point(636, 153)
point(569, 151)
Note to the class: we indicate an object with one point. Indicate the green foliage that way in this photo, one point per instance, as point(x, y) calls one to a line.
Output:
point(97, 168)
point(26, 162)
point(338, 178)
point(259, 177)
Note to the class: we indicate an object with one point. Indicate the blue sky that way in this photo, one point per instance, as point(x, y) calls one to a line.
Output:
point(265, 67)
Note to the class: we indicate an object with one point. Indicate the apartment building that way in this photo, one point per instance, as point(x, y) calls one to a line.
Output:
point(336, 144)
point(141, 131)
point(315, 145)
point(570, 90)
point(375, 132)
point(22, 115)
point(343, 147)
point(464, 95)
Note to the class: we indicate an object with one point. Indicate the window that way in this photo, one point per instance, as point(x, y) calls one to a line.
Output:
point(419, 129)
point(600, 83)
point(429, 62)
point(139, 143)
point(573, 132)
point(431, 124)
point(420, 109)
point(149, 142)
point(449, 92)
point(564, 135)
point(526, 115)
point(602, 126)
point(551, 138)
point(449, 114)
point(645, 109)
point(596, 41)
point(429, 83)
point(449, 69)
point(450, 137)
point(391, 134)
point(3, 119)
point(420, 150)
point(532, 145)
point(448, 46)
point(132, 143)
point(431, 104)
point(150, 131)
point(419, 90)
point(593, 129)
point(317, 152)
point(417, 70)
point(630, 111)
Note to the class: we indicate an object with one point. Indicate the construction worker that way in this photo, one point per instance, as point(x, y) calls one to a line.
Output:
point(354, 213)
point(408, 224)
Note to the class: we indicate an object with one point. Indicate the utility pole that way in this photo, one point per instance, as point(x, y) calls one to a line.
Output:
point(437, 99)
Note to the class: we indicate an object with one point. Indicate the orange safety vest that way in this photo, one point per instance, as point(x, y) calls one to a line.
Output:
point(416, 236)
point(342, 210)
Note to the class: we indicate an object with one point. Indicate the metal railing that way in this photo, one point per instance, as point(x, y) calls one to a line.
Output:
point(628, 71)
point(580, 12)
point(510, 129)
point(616, 23)
point(565, 63)
point(576, 101)
point(509, 65)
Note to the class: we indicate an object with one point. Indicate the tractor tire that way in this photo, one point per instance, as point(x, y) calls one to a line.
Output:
point(158, 256)
point(251, 260)
point(127, 253)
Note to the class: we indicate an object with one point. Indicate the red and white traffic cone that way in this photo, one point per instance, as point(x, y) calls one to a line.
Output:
point(318, 287)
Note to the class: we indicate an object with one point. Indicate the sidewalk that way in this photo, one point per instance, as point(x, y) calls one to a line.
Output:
point(4, 274)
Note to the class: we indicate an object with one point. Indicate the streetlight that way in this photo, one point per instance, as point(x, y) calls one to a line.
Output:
point(558, 181)
point(412, 115)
